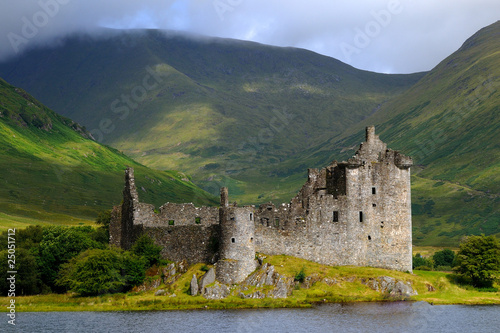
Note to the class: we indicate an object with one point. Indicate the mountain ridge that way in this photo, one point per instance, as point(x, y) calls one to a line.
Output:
point(215, 96)
point(254, 118)
point(53, 173)
point(448, 122)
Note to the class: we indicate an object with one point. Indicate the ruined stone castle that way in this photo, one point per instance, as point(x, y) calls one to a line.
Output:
point(356, 212)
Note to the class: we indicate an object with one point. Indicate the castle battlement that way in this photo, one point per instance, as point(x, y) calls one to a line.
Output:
point(356, 212)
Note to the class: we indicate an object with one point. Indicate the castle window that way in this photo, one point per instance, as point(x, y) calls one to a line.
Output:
point(335, 216)
point(374, 190)
point(251, 239)
point(251, 216)
point(197, 220)
point(233, 240)
point(171, 222)
point(369, 237)
point(277, 222)
point(374, 205)
point(360, 216)
point(382, 224)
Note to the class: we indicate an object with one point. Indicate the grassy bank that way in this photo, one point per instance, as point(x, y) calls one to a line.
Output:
point(348, 287)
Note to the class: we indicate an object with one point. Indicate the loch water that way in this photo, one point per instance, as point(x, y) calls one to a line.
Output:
point(346, 317)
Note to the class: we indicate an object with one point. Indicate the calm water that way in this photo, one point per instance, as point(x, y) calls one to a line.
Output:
point(352, 317)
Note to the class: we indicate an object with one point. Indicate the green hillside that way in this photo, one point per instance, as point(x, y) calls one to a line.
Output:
point(52, 172)
point(223, 111)
point(254, 117)
point(449, 122)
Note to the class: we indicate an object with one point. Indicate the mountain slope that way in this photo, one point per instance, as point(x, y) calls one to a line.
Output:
point(52, 172)
point(449, 123)
point(220, 110)
point(254, 117)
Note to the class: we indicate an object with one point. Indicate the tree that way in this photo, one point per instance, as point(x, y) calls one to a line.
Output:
point(421, 263)
point(27, 279)
point(28, 238)
point(444, 258)
point(478, 260)
point(59, 245)
point(145, 247)
point(104, 219)
point(96, 271)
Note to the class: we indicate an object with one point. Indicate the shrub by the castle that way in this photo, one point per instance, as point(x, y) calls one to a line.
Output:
point(96, 271)
point(59, 245)
point(478, 260)
point(444, 258)
point(146, 248)
point(300, 276)
point(421, 263)
point(103, 219)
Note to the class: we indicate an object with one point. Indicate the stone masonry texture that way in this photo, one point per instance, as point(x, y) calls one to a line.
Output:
point(356, 212)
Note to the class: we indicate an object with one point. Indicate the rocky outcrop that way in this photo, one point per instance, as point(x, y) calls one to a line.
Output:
point(169, 275)
point(148, 285)
point(266, 276)
point(330, 281)
point(390, 286)
point(173, 271)
point(160, 292)
point(207, 279)
point(217, 291)
point(194, 286)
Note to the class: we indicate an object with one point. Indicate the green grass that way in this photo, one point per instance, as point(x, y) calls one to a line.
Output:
point(449, 292)
point(213, 117)
point(348, 289)
point(444, 214)
point(52, 173)
point(43, 218)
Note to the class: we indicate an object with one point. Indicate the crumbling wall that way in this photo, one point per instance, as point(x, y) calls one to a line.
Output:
point(349, 213)
point(193, 243)
point(187, 214)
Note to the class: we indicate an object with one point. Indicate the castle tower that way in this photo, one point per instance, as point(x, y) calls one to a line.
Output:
point(378, 201)
point(122, 224)
point(237, 249)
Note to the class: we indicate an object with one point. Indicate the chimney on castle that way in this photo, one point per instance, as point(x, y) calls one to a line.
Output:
point(224, 197)
point(370, 133)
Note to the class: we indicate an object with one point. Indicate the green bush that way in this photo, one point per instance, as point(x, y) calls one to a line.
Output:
point(96, 271)
point(478, 260)
point(445, 257)
point(58, 246)
point(300, 276)
point(104, 219)
point(145, 247)
point(419, 262)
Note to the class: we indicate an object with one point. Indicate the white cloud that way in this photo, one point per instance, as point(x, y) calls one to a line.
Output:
point(415, 36)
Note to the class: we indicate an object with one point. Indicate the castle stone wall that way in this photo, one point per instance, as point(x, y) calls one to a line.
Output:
point(194, 243)
point(187, 214)
point(237, 249)
point(351, 213)
point(356, 212)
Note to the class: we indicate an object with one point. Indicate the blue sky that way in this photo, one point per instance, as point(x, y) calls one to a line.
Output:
point(391, 36)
